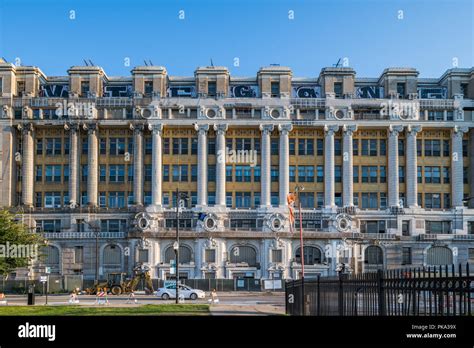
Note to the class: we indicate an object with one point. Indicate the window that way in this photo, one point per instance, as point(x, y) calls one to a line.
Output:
point(39, 146)
point(434, 227)
point(464, 89)
point(256, 174)
point(239, 173)
point(383, 200)
point(243, 254)
point(211, 146)
point(432, 201)
point(38, 199)
point(320, 173)
point(401, 147)
point(471, 255)
point(53, 173)
point(242, 200)
point(274, 146)
point(465, 175)
point(369, 200)
point(148, 145)
point(432, 175)
point(405, 228)
point(369, 147)
point(446, 175)
point(103, 146)
point(355, 174)
point(211, 88)
point(419, 174)
point(228, 199)
point(337, 147)
point(320, 147)
point(373, 255)
point(338, 89)
point(148, 172)
point(66, 173)
point(39, 174)
point(446, 200)
point(406, 256)
point(307, 199)
point(194, 172)
point(148, 88)
point(49, 226)
point(355, 147)
point(369, 174)
point(85, 146)
point(211, 173)
point(53, 146)
point(439, 255)
point(337, 173)
point(84, 89)
point(130, 173)
point(116, 173)
point(383, 147)
point(228, 173)
point(419, 147)
point(292, 146)
point(320, 199)
point(305, 147)
point(274, 198)
point(166, 172)
point(312, 255)
point(116, 199)
point(180, 173)
point(117, 146)
point(401, 174)
point(274, 173)
point(383, 174)
point(52, 199)
point(113, 225)
point(435, 115)
point(401, 91)
point(275, 89)
point(432, 148)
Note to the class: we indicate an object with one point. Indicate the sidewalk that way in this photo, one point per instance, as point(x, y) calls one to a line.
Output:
point(258, 310)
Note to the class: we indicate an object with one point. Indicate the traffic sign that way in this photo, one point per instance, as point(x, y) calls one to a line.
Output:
point(43, 279)
point(47, 270)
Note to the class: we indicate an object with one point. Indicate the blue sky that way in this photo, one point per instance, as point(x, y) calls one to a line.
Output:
point(258, 32)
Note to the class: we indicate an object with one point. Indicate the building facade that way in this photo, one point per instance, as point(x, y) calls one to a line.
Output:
point(384, 167)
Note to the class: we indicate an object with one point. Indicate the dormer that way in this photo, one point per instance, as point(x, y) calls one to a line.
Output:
point(275, 81)
point(399, 82)
point(212, 81)
point(459, 82)
point(338, 82)
point(149, 81)
point(86, 81)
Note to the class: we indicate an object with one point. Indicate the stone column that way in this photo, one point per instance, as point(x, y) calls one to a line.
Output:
point(265, 163)
point(93, 163)
point(156, 164)
point(137, 163)
point(411, 167)
point(73, 163)
point(457, 166)
point(284, 162)
point(329, 185)
point(347, 166)
point(202, 164)
point(220, 164)
point(393, 164)
point(27, 168)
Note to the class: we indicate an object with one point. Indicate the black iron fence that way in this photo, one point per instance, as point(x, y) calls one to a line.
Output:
point(429, 291)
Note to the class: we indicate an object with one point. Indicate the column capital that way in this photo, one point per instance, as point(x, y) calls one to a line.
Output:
point(201, 128)
point(413, 130)
point(349, 129)
point(155, 128)
point(26, 127)
point(137, 127)
point(221, 128)
point(90, 127)
point(394, 130)
point(458, 131)
point(330, 129)
point(71, 127)
point(285, 128)
point(266, 128)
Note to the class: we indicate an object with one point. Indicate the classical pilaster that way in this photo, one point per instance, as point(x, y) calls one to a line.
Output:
point(73, 163)
point(457, 164)
point(265, 163)
point(393, 164)
point(93, 163)
point(27, 169)
point(347, 166)
point(156, 164)
point(411, 167)
point(220, 164)
point(284, 162)
point(202, 130)
point(329, 185)
point(137, 163)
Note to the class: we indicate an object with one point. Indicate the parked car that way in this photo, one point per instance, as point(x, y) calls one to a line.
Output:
point(187, 292)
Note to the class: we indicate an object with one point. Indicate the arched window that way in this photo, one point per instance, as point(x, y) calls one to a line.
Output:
point(439, 255)
point(373, 255)
point(112, 255)
point(50, 255)
point(185, 254)
point(312, 255)
point(243, 254)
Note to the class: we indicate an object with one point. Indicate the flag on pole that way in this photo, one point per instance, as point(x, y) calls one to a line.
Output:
point(291, 199)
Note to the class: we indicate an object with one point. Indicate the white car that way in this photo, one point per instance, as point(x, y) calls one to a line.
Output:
point(185, 291)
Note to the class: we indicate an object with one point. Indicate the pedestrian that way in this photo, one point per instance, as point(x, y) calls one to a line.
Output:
point(99, 296)
point(214, 298)
point(131, 297)
point(73, 298)
point(106, 298)
point(3, 299)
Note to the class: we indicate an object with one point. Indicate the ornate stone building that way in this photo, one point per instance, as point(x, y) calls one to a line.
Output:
point(384, 165)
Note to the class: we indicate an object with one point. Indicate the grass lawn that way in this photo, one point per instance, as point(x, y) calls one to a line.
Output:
point(164, 309)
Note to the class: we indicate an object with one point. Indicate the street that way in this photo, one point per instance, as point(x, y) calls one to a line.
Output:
point(230, 303)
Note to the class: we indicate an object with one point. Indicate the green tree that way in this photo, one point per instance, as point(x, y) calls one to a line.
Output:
point(15, 239)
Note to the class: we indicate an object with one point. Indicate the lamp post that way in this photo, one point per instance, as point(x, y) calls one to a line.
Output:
point(96, 230)
point(181, 198)
point(298, 189)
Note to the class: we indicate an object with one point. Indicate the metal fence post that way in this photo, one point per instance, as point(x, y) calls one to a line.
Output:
point(318, 298)
point(381, 293)
point(340, 296)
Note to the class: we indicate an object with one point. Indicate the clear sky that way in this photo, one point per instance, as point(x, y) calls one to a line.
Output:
point(372, 34)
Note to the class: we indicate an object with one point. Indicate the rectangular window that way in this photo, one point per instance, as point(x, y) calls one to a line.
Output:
point(78, 254)
point(382, 147)
point(194, 146)
point(401, 147)
point(228, 174)
point(320, 173)
point(148, 172)
point(406, 256)
point(337, 147)
point(116, 173)
point(401, 174)
point(39, 146)
point(277, 255)
point(194, 172)
point(355, 147)
point(39, 173)
point(210, 255)
point(355, 173)
point(292, 145)
point(166, 146)
point(166, 172)
point(320, 147)
point(211, 173)
point(419, 147)
point(337, 173)
point(211, 146)
point(275, 89)
point(274, 173)
point(103, 146)
point(446, 175)
point(148, 145)
point(274, 146)
point(53, 173)
point(211, 88)
point(383, 174)
point(419, 174)
point(256, 174)
point(338, 89)
point(148, 88)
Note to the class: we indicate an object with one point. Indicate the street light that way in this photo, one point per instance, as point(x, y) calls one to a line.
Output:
point(96, 230)
point(181, 198)
point(298, 189)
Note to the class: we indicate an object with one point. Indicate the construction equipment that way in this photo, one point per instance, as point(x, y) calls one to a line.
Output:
point(117, 283)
